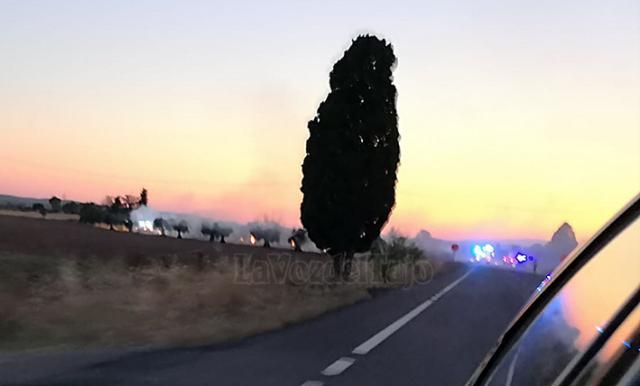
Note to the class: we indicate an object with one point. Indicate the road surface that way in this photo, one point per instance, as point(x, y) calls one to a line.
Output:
point(433, 334)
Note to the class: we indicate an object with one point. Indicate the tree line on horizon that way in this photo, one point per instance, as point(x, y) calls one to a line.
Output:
point(114, 211)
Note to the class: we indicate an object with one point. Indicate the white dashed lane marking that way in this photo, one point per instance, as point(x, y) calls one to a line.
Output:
point(338, 366)
point(380, 337)
point(313, 383)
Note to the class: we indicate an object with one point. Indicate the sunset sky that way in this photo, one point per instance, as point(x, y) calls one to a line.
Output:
point(514, 116)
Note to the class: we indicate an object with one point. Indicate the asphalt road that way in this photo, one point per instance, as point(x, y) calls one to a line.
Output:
point(433, 334)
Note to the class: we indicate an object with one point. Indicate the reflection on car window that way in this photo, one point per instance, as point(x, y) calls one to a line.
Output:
point(573, 318)
point(623, 346)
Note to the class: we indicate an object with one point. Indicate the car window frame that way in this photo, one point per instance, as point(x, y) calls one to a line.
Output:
point(632, 375)
point(620, 370)
point(560, 278)
point(575, 368)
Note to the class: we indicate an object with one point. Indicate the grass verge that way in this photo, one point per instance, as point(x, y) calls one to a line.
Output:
point(66, 302)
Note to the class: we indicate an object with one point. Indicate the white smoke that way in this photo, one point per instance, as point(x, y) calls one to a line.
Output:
point(562, 243)
point(548, 254)
point(432, 247)
point(144, 216)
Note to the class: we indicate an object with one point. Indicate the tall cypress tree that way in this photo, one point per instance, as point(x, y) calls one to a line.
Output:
point(349, 172)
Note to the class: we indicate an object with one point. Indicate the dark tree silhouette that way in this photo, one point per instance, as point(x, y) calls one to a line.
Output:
point(117, 214)
point(216, 232)
point(125, 202)
point(128, 223)
point(71, 207)
point(40, 209)
point(92, 214)
point(161, 224)
point(349, 172)
point(144, 198)
point(387, 254)
point(117, 206)
point(111, 219)
point(222, 232)
point(298, 237)
point(269, 235)
point(181, 228)
point(207, 231)
point(56, 204)
point(130, 201)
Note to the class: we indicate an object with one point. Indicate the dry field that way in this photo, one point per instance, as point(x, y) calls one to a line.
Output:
point(30, 214)
point(64, 284)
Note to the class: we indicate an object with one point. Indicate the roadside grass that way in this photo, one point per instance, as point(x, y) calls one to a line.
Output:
point(68, 302)
point(64, 285)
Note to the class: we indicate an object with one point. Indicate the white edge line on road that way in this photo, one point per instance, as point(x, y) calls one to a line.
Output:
point(338, 366)
point(378, 338)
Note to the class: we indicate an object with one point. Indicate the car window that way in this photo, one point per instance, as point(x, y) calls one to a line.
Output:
point(575, 315)
point(622, 347)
